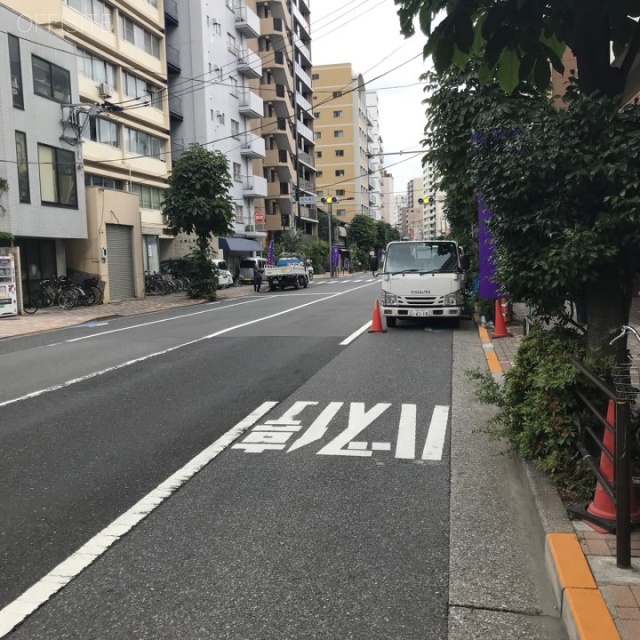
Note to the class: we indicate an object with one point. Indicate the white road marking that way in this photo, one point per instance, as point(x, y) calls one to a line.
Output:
point(128, 363)
point(406, 443)
point(18, 610)
point(318, 428)
point(355, 334)
point(437, 431)
point(359, 419)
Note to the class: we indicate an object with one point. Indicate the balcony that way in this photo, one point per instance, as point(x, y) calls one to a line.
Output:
point(280, 130)
point(303, 130)
point(252, 146)
point(275, 29)
point(247, 21)
point(175, 109)
point(171, 13)
point(251, 104)
point(173, 60)
point(249, 64)
point(254, 187)
point(303, 49)
point(307, 186)
point(280, 160)
point(305, 158)
point(303, 103)
point(281, 190)
point(304, 76)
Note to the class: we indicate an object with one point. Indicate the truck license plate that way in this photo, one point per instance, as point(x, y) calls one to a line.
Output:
point(419, 313)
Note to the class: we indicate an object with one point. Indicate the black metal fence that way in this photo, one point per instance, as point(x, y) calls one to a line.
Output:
point(619, 488)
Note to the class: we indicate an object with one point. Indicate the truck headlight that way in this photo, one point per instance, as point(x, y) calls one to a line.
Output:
point(452, 299)
point(389, 299)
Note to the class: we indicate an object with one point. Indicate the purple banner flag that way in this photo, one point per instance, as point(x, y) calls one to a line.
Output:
point(335, 256)
point(271, 254)
point(488, 288)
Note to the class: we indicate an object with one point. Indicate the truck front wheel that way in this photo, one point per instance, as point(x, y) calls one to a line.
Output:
point(296, 284)
point(305, 282)
point(391, 322)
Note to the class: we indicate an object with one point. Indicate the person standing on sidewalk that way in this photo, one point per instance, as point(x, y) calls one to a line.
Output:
point(257, 279)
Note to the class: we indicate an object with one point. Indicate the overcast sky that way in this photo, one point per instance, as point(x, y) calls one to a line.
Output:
point(366, 33)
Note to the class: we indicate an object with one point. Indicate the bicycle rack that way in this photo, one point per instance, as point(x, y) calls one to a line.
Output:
point(619, 491)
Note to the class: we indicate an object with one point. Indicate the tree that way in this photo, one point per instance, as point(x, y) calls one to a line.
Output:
point(198, 199)
point(198, 202)
point(363, 232)
point(514, 41)
point(519, 39)
point(385, 233)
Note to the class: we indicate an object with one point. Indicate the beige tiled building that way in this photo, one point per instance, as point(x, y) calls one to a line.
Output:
point(342, 139)
point(120, 129)
point(287, 127)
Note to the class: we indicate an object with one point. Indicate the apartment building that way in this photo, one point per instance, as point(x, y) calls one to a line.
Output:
point(214, 100)
point(288, 124)
point(429, 225)
point(342, 139)
point(388, 212)
point(414, 209)
point(376, 156)
point(123, 121)
point(43, 205)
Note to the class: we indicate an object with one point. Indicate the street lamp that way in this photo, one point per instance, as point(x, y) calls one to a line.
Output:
point(329, 201)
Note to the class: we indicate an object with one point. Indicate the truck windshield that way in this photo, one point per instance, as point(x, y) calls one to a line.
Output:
point(421, 257)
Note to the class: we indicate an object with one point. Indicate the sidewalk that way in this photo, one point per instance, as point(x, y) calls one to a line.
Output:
point(597, 600)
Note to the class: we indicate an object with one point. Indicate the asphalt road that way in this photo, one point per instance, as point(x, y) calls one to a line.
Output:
point(235, 472)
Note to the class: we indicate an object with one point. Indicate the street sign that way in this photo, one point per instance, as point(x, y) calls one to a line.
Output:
point(307, 200)
point(259, 217)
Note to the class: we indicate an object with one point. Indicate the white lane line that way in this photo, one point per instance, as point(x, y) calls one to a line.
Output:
point(437, 431)
point(128, 363)
point(406, 444)
point(34, 597)
point(152, 322)
point(355, 334)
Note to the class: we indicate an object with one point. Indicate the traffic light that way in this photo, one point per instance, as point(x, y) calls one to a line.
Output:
point(424, 200)
point(284, 219)
point(330, 200)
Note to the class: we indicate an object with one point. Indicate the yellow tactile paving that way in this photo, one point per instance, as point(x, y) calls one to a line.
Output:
point(493, 362)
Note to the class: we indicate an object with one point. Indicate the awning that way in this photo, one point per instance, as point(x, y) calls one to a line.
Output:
point(239, 244)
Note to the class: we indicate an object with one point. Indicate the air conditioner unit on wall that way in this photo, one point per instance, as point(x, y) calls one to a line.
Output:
point(106, 90)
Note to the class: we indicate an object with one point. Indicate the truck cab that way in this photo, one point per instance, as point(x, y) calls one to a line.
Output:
point(423, 279)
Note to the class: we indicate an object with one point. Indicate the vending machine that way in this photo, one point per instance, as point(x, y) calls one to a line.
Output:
point(8, 287)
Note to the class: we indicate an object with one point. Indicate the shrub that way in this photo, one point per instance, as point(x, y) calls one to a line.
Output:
point(538, 406)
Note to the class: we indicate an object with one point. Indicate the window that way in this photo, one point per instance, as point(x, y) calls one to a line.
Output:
point(235, 128)
point(96, 10)
point(339, 173)
point(148, 197)
point(97, 69)
point(318, 154)
point(318, 174)
point(142, 143)
point(57, 176)
point(101, 130)
point(337, 114)
point(100, 181)
point(341, 213)
point(315, 76)
point(231, 44)
point(234, 86)
point(220, 117)
point(23, 167)
point(237, 171)
point(340, 192)
point(139, 37)
point(317, 135)
point(215, 25)
point(16, 72)
point(338, 133)
point(239, 213)
point(337, 94)
point(316, 114)
point(339, 153)
point(50, 80)
point(139, 88)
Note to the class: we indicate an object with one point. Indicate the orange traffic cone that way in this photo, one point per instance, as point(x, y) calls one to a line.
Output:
point(500, 330)
point(602, 505)
point(376, 322)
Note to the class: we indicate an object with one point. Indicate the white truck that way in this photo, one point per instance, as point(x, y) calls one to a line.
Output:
point(423, 279)
point(290, 270)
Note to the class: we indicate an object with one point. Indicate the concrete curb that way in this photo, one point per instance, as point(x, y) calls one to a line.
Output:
point(583, 609)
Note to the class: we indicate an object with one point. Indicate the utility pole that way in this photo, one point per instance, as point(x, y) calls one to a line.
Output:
point(329, 201)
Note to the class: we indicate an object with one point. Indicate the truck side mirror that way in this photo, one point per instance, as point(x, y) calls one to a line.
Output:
point(465, 263)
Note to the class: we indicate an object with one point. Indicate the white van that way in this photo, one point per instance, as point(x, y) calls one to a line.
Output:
point(247, 265)
point(225, 279)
